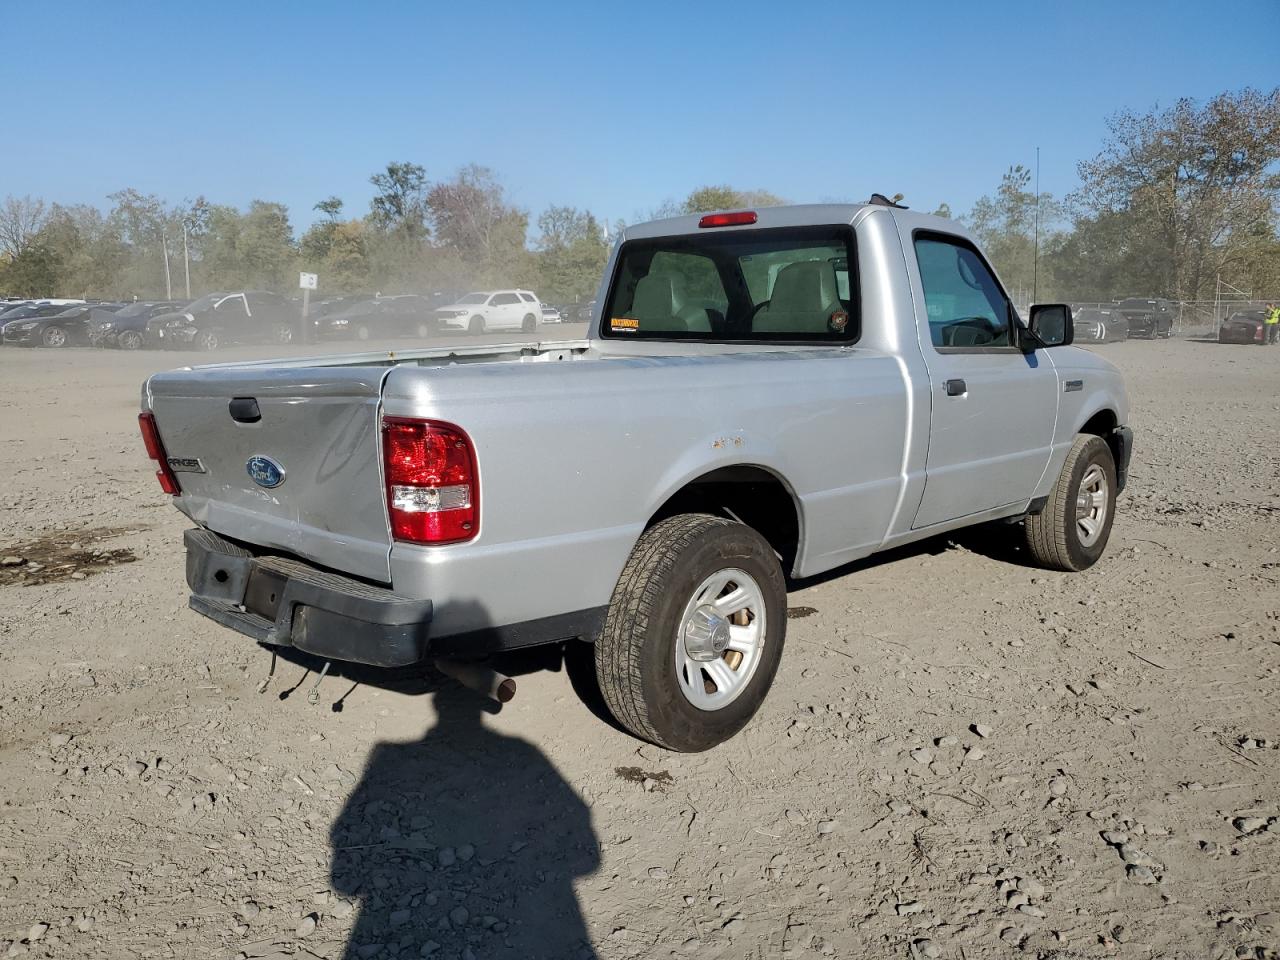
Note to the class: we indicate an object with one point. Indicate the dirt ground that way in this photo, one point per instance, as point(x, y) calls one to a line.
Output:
point(962, 757)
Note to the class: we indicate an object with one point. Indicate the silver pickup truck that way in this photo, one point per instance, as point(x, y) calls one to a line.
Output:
point(763, 395)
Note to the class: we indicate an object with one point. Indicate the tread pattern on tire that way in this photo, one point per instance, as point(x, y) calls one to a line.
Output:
point(1047, 531)
point(630, 608)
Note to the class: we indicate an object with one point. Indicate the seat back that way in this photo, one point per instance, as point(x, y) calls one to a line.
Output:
point(805, 295)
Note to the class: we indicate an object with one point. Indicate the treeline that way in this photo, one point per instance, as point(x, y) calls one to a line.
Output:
point(1176, 201)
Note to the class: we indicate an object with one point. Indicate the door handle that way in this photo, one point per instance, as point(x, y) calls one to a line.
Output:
point(955, 388)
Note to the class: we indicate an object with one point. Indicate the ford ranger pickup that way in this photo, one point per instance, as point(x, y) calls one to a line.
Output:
point(763, 395)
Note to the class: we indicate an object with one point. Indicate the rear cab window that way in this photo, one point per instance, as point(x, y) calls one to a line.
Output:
point(781, 285)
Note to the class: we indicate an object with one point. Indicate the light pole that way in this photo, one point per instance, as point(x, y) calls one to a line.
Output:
point(186, 258)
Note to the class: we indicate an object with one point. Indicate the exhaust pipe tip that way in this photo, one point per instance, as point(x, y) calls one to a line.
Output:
point(482, 679)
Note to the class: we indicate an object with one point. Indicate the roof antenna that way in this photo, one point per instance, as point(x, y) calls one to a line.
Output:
point(880, 200)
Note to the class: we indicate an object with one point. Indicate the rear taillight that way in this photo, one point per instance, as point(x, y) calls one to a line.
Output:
point(155, 450)
point(433, 491)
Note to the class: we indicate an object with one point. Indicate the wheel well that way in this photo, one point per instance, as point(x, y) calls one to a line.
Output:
point(1101, 424)
point(751, 494)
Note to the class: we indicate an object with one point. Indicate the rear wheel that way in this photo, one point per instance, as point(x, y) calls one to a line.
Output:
point(476, 325)
point(1072, 531)
point(129, 340)
point(694, 632)
point(424, 331)
point(529, 323)
point(284, 333)
point(54, 337)
point(362, 332)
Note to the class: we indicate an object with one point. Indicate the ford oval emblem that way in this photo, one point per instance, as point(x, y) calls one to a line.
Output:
point(265, 472)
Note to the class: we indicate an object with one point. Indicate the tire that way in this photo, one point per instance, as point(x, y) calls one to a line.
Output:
point(54, 337)
point(1059, 537)
point(206, 340)
point(424, 331)
point(284, 334)
point(475, 326)
point(1100, 333)
point(643, 655)
point(529, 323)
point(362, 332)
point(129, 340)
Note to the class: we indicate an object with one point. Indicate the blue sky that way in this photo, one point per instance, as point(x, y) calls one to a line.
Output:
point(612, 107)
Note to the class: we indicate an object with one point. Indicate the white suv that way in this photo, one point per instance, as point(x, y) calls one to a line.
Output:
point(491, 310)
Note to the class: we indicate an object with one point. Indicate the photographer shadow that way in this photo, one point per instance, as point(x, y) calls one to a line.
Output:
point(468, 839)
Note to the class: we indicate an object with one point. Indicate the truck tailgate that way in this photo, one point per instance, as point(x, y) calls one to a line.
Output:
point(318, 425)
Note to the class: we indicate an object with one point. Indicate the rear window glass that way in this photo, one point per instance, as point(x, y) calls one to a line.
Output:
point(790, 284)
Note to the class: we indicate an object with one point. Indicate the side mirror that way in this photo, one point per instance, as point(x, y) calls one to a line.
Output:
point(1051, 324)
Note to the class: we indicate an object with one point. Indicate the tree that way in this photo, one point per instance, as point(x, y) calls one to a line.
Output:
point(20, 220)
point(571, 254)
point(1202, 180)
point(331, 207)
point(709, 199)
point(1006, 227)
point(943, 210)
point(471, 217)
point(399, 205)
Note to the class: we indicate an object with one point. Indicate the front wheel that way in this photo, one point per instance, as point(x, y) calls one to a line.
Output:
point(424, 331)
point(694, 632)
point(206, 340)
point(476, 326)
point(54, 337)
point(284, 333)
point(362, 332)
point(1072, 531)
point(129, 340)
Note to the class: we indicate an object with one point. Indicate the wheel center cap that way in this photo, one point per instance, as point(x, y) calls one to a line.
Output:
point(706, 634)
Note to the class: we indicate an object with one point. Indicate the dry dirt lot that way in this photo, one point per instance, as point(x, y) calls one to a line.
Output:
point(1120, 799)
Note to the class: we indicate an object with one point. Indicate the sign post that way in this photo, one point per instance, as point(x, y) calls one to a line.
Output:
point(308, 282)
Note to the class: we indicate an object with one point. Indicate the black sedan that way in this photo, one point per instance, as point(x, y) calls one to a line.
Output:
point(1099, 323)
point(1244, 326)
point(26, 325)
point(126, 328)
point(381, 317)
point(70, 326)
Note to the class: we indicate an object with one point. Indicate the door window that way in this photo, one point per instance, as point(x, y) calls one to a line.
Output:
point(504, 299)
point(966, 307)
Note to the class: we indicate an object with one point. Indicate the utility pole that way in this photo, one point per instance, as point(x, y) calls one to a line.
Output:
point(186, 258)
point(168, 283)
point(1035, 265)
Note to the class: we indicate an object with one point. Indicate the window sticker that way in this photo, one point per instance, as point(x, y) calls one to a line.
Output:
point(624, 325)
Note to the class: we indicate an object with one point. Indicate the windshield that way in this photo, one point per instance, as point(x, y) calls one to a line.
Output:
point(788, 284)
point(474, 298)
point(135, 309)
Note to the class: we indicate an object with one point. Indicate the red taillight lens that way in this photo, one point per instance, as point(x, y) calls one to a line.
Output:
point(740, 219)
point(155, 450)
point(433, 492)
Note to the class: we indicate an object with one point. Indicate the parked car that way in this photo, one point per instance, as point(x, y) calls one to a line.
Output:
point(126, 327)
point(1099, 323)
point(63, 329)
point(251, 316)
point(396, 316)
point(648, 491)
point(551, 314)
point(491, 310)
point(1244, 326)
point(25, 318)
point(1148, 317)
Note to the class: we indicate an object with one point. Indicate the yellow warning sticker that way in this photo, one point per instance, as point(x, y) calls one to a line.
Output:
point(624, 324)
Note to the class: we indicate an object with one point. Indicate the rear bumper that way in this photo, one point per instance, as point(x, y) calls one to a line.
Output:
point(283, 602)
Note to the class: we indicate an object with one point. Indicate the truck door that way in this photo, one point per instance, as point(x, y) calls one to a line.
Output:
point(993, 407)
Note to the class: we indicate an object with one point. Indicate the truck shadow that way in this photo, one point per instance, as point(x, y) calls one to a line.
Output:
point(465, 843)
